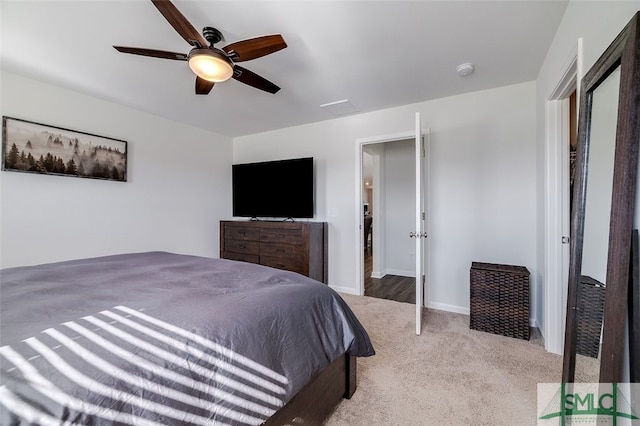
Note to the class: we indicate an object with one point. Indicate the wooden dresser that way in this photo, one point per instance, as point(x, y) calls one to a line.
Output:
point(293, 246)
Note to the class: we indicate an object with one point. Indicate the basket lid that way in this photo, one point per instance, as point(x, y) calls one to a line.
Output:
point(586, 279)
point(500, 267)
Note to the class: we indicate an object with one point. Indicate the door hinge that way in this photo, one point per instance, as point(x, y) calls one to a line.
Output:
point(566, 240)
point(423, 215)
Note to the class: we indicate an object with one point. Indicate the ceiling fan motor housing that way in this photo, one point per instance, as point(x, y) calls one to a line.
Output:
point(212, 35)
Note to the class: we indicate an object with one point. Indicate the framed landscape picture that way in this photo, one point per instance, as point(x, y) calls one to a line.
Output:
point(39, 148)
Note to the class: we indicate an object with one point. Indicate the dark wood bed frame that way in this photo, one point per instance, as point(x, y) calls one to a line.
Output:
point(313, 403)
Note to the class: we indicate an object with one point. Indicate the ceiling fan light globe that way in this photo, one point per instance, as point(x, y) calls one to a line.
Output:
point(210, 65)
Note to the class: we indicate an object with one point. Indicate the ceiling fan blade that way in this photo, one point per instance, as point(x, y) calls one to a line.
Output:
point(203, 87)
point(245, 76)
point(252, 48)
point(179, 22)
point(152, 52)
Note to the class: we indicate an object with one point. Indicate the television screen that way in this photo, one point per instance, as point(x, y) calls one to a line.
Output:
point(282, 189)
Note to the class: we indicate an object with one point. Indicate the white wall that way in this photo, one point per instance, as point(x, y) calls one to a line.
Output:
point(179, 184)
point(483, 181)
point(400, 202)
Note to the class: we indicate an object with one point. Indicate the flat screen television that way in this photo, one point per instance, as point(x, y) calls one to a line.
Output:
point(274, 189)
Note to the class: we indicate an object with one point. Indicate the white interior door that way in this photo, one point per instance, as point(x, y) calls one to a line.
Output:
point(420, 233)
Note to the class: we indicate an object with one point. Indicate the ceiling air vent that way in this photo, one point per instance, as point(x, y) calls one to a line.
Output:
point(339, 108)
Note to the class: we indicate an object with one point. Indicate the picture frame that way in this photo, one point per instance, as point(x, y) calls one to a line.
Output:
point(31, 147)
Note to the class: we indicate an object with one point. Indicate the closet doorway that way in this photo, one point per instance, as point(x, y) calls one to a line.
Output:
point(561, 118)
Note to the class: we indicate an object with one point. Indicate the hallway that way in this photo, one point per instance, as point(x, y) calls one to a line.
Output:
point(392, 287)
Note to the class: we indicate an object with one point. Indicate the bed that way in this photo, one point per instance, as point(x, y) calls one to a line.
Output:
point(159, 338)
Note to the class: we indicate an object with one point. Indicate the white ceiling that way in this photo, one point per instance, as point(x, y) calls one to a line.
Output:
point(377, 54)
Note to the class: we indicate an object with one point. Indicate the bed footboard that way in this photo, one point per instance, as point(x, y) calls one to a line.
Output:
point(313, 403)
point(351, 376)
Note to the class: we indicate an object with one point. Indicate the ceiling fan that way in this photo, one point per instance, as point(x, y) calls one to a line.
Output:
point(210, 64)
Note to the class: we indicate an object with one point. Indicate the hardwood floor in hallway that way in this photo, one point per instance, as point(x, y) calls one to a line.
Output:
point(392, 287)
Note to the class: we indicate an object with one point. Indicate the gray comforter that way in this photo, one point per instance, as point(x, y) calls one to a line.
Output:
point(158, 338)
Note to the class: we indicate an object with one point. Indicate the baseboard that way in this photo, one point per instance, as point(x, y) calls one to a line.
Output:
point(465, 311)
point(401, 273)
point(398, 272)
point(448, 308)
point(348, 290)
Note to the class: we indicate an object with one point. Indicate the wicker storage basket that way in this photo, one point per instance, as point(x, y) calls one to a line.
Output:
point(499, 299)
point(589, 316)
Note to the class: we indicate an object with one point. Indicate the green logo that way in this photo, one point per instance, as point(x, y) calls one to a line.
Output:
point(587, 403)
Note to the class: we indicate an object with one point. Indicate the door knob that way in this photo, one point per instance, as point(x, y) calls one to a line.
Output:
point(417, 234)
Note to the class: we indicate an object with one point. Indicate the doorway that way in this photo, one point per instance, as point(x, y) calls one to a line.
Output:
point(416, 233)
point(561, 112)
point(388, 200)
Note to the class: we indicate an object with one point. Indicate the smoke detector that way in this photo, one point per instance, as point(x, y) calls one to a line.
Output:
point(465, 69)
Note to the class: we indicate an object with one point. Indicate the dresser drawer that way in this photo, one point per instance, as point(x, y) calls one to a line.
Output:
point(241, 233)
point(285, 263)
point(281, 250)
point(242, 257)
point(242, 246)
point(289, 236)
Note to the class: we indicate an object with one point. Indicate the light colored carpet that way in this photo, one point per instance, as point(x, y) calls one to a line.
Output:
point(450, 375)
